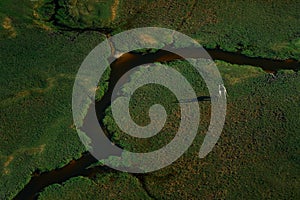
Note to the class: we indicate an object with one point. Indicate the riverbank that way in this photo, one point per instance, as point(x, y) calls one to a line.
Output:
point(118, 68)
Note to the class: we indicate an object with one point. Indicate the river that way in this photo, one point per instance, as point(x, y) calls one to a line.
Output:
point(119, 67)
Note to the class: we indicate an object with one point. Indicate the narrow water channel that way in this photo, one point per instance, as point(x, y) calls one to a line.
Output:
point(119, 67)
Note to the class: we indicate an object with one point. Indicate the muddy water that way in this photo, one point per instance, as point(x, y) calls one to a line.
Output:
point(120, 67)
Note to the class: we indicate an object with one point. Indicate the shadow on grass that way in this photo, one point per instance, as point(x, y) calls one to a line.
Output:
point(198, 99)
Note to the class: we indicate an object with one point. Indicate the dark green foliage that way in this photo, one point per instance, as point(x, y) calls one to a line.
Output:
point(37, 76)
point(38, 70)
point(47, 11)
point(19, 10)
point(89, 14)
point(103, 84)
point(257, 154)
point(266, 29)
point(253, 28)
point(143, 99)
point(161, 13)
point(103, 186)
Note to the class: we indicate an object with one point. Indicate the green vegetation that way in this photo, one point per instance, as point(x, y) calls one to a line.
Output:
point(103, 84)
point(38, 69)
point(254, 28)
point(143, 99)
point(36, 116)
point(105, 186)
point(257, 154)
point(88, 14)
point(263, 29)
point(84, 14)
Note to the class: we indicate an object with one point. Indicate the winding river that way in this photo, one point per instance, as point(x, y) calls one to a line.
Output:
point(119, 67)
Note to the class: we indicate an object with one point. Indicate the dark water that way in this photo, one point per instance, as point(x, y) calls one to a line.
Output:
point(267, 65)
point(120, 67)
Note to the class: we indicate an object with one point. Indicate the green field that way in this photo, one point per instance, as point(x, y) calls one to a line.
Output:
point(43, 43)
